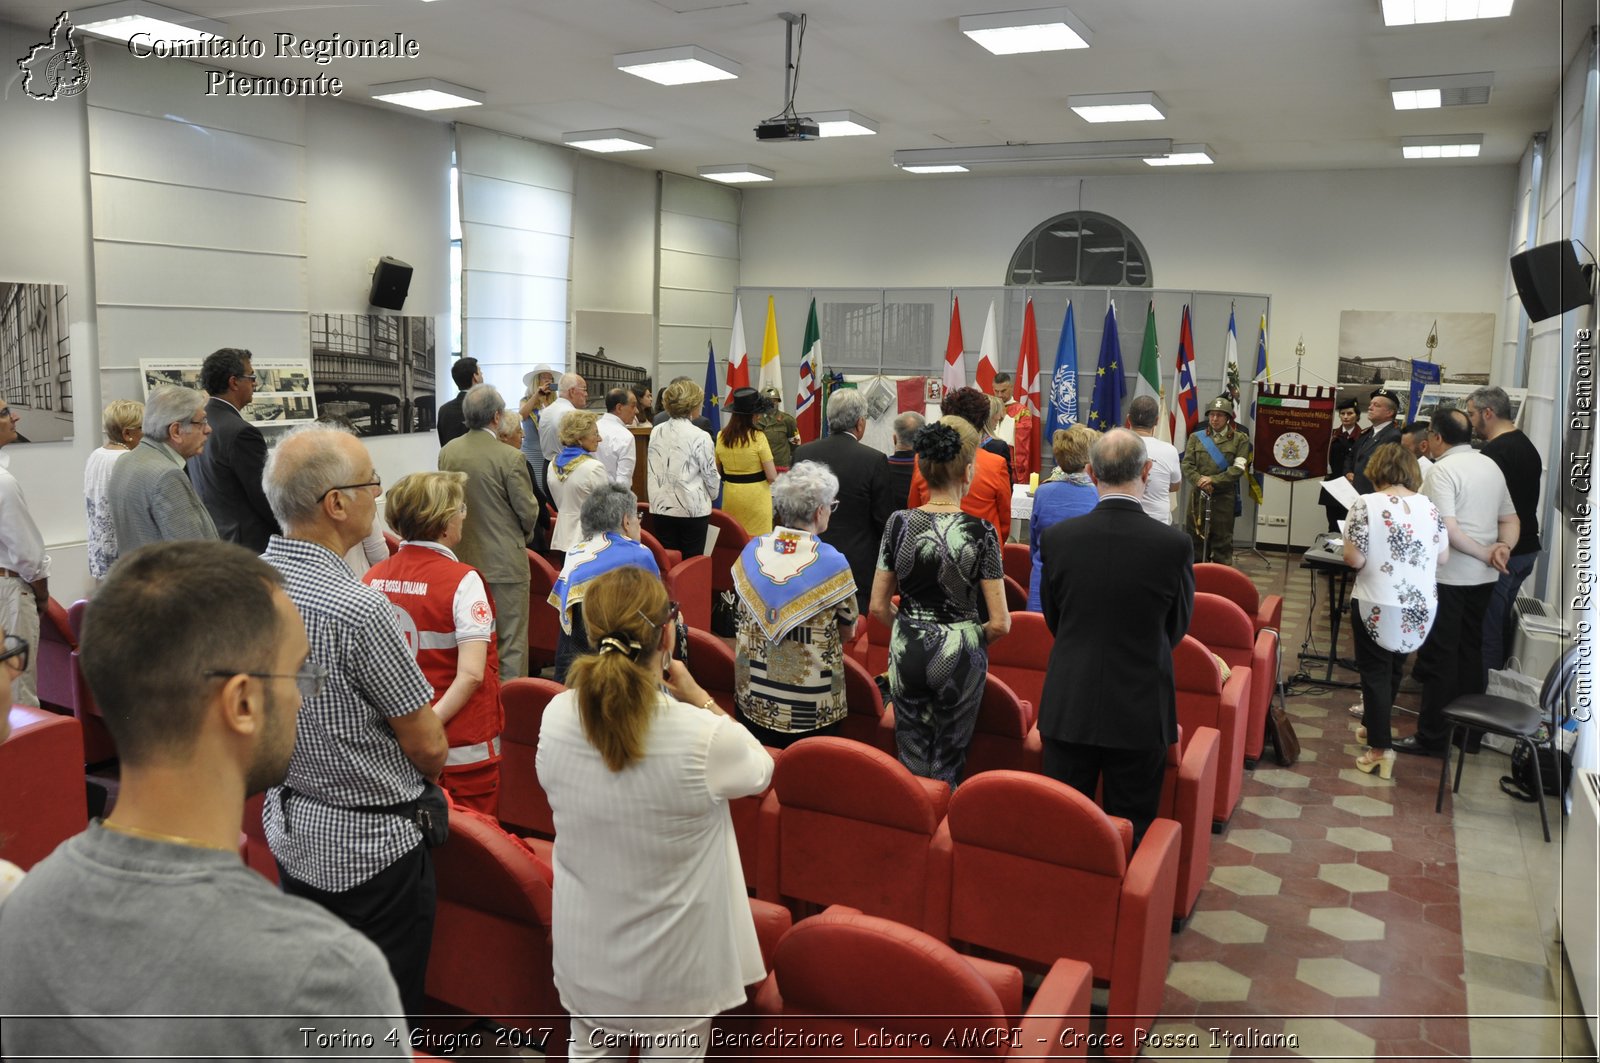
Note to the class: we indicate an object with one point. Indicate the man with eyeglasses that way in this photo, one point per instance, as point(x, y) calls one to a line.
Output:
point(144, 935)
point(24, 565)
point(571, 394)
point(151, 497)
point(371, 740)
point(227, 473)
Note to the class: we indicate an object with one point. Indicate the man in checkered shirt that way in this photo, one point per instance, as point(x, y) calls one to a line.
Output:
point(371, 737)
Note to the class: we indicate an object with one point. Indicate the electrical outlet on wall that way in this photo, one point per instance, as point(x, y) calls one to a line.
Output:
point(1275, 522)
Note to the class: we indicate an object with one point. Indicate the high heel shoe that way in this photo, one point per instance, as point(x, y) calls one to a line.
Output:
point(1381, 761)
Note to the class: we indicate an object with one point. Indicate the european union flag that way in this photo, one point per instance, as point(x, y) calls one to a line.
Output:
point(1105, 405)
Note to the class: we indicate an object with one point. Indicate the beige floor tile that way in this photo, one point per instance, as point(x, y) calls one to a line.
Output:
point(1347, 924)
point(1208, 981)
point(1329, 1039)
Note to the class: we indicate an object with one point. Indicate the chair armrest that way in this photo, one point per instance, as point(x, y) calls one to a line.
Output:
point(1144, 932)
point(772, 922)
point(938, 792)
point(1060, 1006)
point(1033, 752)
point(941, 865)
point(1194, 797)
point(767, 874)
point(886, 732)
point(1269, 614)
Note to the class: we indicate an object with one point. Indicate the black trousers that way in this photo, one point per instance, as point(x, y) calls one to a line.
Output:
point(394, 909)
point(687, 535)
point(1132, 778)
point(1450, 662)
point(1381, 671)
point(784, 739)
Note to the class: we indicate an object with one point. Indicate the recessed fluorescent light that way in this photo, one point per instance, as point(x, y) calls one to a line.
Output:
point(1446, 90)
point(427, 94)
point(608, 140)
point(1012, 32)
point(1183, 155)
point(1452, 146)
point(935, 168)
point(1118, 107)
point(737, 173)
point(124, 19)
point(916, 159)
point(1409, 12)
point(684, 65)
point(843, 124)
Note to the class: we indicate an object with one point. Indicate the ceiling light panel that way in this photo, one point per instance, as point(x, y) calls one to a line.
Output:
point(427, 94)
point(843, 124)
point(1445, 90)
point(914, 159)
point(121, 21)
point(1119, 107)
point(1451, 146)
point(608, 140)
point(1051, 29)
point(1183, 155)
point(933, 168)
point(1413, 12)
point(736, 173)
point(684, 65)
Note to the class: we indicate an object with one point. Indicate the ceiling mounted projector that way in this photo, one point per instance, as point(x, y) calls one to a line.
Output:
point(787, 129)
point(786, 124)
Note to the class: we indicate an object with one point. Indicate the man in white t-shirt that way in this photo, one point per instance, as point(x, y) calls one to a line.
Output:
point(618, 452)
point(1471, 493)
point(1166, 474)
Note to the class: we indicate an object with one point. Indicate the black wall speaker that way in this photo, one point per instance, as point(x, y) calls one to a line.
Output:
point(1550, 280)
point(390, 282)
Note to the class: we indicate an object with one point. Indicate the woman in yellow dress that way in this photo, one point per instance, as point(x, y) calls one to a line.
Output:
point(745, 460)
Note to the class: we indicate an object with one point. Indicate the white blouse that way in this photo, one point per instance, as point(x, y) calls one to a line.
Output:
point(97, 503)
point(1396, 594)
point(570, 495)
point(683, 477)
point(650, 911)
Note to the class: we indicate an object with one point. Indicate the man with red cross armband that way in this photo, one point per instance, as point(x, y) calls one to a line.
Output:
point(447, 616)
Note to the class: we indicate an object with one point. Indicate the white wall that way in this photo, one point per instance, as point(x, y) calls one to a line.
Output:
point(1428, 239)
point(614, 261)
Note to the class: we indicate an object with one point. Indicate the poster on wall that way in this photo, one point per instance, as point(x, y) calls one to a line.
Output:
point(283, 396)
point(1376, 348)
point(36, 359)
point(376, 370)
point(1435, 395)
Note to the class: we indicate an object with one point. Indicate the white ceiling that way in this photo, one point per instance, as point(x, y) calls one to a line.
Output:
point(1267, 84)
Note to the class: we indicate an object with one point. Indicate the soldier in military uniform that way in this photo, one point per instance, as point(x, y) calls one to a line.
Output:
point(782, 433)
point(1214, 461)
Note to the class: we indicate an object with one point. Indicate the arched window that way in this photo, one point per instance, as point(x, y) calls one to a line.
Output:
point(1082, 248)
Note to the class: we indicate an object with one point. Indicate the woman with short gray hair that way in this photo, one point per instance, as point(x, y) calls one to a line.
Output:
point(797, 609)
point(610, 522)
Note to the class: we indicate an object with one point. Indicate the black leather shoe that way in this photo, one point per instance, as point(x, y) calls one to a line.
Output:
point(1421, 749)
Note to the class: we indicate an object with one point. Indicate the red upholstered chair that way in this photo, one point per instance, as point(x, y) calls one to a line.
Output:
point(98, 748)
point(1264, 612)
point(1037, 871)
point(392, 541)
point(1021, 658)
point(42, 798)
point(867, 721)
point(848, 824)
point(1204, 700)
point(1005, 736)
point(691, 587)
point(871, 650)
point(731, 540)
point(1226, 631)
point(1017, 562)
point(666, 560)
point(1188, 795)
point(491, 932)
point(1016, 594)
point(748, 830)
point(524, 809)
point(711, 663)
point(544, 624)
point(53, 658)
point(861, 977)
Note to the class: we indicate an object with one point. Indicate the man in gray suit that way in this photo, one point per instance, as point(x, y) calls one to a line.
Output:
point(501, 512)
point(151, 497)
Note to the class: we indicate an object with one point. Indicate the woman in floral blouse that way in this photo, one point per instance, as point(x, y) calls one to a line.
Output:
point(1394, 539)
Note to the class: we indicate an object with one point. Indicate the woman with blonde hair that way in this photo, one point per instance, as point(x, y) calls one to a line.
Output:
point(123, 422)
point(574, 474)
point(745, 458)
point(1395, 539)
point(991, 442)
point(652, 925)
point(682, 468)
point(448, 615)
point(1068, 493)
point(945, 565)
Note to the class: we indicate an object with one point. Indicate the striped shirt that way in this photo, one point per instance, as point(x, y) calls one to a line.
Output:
point(344, 751)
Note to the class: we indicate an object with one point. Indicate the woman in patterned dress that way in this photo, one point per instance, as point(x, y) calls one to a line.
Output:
point(1395, 540)
point(945, 565)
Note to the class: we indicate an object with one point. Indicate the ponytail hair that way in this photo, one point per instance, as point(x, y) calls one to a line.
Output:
point(623, 612)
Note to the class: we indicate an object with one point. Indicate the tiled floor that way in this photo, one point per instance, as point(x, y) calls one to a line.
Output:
point(1344, 919)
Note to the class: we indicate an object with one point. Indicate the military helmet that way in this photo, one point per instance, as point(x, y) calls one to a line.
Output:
point(1222, 403)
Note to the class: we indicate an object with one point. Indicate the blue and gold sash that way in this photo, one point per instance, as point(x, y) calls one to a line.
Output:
point(787, 577)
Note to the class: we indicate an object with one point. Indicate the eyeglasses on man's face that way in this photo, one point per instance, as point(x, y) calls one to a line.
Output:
point(309, 680)
point(14, 653)
point(376, 481)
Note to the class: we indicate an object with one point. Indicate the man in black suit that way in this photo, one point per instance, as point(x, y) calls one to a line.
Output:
point(1382, 408)
point(865, 500)
point(1117, 589)
point(466, 374)
point(227, 473)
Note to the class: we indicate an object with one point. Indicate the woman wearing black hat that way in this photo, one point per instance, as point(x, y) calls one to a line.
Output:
point(744, 458)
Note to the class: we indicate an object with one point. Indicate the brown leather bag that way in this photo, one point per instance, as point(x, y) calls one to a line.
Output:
point(1284, 741)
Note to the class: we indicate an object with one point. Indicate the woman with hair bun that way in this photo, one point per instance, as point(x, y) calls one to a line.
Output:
point(651, 922)
point(945, 565)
